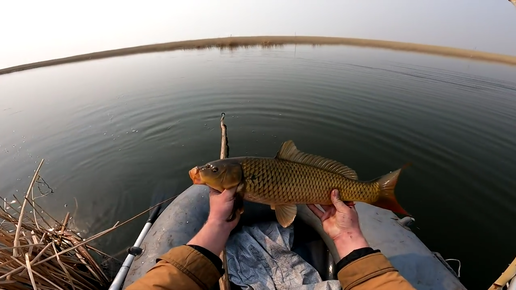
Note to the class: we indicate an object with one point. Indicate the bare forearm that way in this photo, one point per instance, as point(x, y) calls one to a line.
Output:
point(348, 242)
point(213, 236)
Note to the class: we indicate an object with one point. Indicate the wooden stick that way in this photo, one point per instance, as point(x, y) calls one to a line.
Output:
point(224, 138)
point(18, 227)
point(506, 276)
point(224, 280)
point(29, 270)
point(63, 227)
point(65, 222)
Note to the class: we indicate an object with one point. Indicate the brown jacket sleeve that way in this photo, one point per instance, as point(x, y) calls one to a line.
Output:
point(372, 271)
point(182, 267)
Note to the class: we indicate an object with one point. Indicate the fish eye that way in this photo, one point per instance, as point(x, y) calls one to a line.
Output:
point(214, 169)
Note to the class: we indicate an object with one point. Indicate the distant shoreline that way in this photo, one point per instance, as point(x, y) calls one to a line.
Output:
point(270, 41)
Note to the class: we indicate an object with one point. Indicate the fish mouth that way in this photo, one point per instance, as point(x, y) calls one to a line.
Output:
point(195, 175)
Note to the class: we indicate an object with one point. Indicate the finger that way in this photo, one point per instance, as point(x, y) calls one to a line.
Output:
point(327, 207)
point(235, 214)
point(328, 214)
point(229, 194)
point(316, 210)
point(339, 205)
point(236, 219)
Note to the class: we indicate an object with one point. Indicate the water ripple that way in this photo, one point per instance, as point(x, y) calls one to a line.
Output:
point(109, 143)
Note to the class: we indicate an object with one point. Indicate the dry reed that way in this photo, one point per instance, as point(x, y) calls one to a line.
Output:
point(40, 252)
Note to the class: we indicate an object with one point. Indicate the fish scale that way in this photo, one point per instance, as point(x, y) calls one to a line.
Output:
point(276, 181)
point(294, 177)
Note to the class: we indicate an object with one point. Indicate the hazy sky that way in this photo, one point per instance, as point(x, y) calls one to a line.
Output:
point(39, 30)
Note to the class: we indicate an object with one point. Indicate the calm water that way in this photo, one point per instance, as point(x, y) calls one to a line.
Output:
point(111, 129)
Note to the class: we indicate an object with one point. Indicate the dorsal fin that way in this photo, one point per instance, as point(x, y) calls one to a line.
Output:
point(288, 151)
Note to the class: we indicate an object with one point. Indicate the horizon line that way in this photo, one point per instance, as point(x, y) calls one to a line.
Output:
point(271, 41)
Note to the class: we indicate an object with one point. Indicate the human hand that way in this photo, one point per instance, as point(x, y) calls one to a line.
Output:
point(221, 206)
point(215, 233)
point(340, 222)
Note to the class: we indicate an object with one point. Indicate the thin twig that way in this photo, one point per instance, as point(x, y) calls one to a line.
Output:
point(43, 237)
point(18, 227)
point(56, 221)
point(65, 222)
point(34, 238)
point(12, 207)
point(32, 242)
point(224, 280)
point(79, 281)
point(75, 212)
point(29, 270)
point(38, 274)
point(105, 255)
point(117, 225)
point(40, 254)
point(22, 246)
point(44, 211)
point(34, 209)
point(63, 227)
point(85, 257)
point(62, 266)
point(56, 268)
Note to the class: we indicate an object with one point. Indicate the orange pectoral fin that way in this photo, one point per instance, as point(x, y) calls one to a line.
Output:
point(195, 176)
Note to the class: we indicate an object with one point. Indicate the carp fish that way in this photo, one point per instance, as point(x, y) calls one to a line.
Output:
point(294, 177)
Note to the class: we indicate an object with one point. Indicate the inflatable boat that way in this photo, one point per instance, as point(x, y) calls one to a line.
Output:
point(185, 216)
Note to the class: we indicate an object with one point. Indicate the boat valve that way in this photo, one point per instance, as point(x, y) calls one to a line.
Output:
point(135, 251)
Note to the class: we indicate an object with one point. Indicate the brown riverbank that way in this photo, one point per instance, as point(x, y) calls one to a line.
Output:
point(267, 41)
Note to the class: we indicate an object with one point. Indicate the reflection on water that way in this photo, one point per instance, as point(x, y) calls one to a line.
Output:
point(112, 129)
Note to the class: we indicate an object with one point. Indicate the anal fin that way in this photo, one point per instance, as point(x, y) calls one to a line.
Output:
point(285, 214)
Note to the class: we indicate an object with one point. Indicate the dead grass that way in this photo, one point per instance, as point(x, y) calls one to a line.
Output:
point(40, 252)
point(232, 43)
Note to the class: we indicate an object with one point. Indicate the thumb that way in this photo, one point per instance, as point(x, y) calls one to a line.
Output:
point(339, 205)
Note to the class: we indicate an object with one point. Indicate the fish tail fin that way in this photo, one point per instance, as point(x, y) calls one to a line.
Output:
point(387, 198)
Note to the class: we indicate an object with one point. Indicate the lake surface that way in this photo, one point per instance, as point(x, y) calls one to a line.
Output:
point(111, 129)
